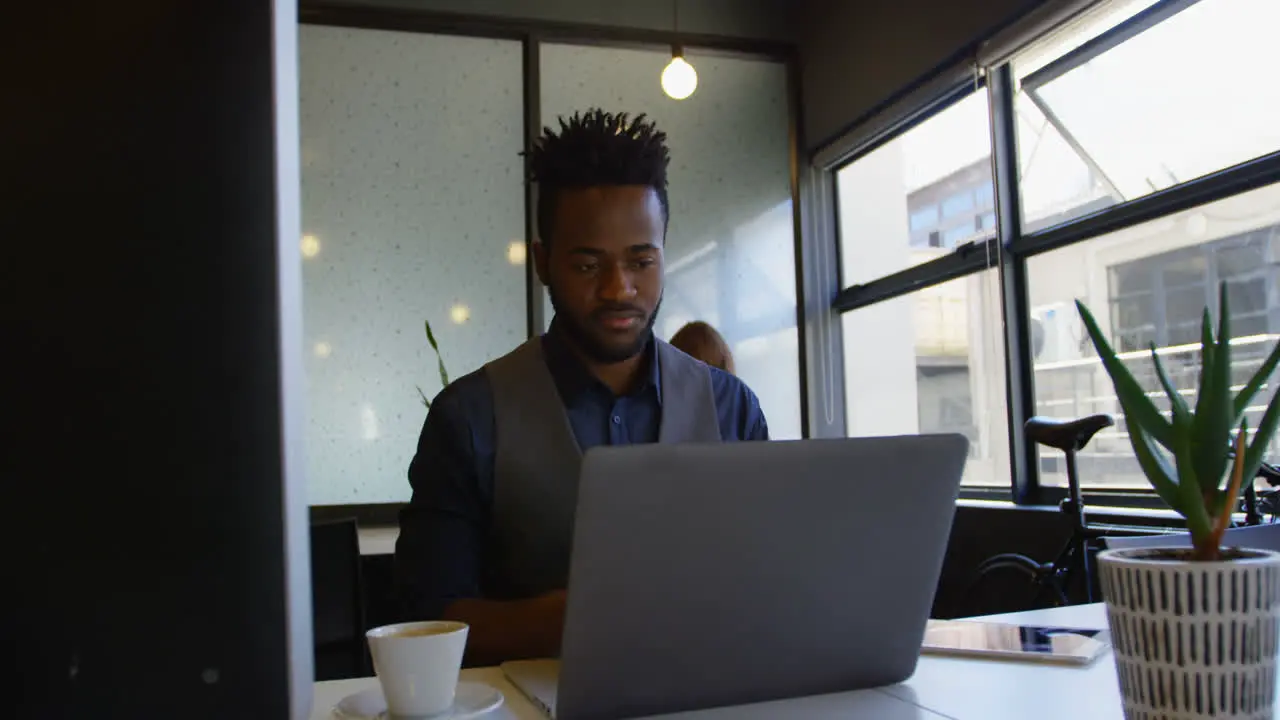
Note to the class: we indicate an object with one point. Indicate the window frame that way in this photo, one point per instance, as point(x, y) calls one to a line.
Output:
point(1012, 245)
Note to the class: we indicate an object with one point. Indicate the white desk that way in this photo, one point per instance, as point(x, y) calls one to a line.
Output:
point(872, 704)
point(941, 689)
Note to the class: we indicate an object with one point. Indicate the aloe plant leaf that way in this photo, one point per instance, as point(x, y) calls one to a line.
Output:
point(423, 395)
point(1261, 438)
point(1176, 401)
point(1138, 408)
point(1255, 383)
point(1195, 501)
point(1211, 431)
point(1163, 477)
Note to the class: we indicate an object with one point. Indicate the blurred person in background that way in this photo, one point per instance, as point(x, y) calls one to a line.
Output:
point(702, 342)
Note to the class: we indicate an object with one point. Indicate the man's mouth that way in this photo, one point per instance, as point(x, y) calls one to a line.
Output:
point(624, 321)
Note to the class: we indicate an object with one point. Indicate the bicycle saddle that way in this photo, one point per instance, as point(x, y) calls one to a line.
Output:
point(1066, 435)
point(1270, 473)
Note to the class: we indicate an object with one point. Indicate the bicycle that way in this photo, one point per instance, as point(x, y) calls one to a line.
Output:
point(1050, 581)
point(1256, 503)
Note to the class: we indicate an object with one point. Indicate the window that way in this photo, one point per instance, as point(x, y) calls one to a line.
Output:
point(924, 218)
point(889, 199)
point(1130, 126)
point(1190, 94)
point(985, 195)
point(730, 253)
point(958, 234)
point(958, 203)
point(1156, 279)
point(1173, 288)
point(387, 192)
point(929, 362)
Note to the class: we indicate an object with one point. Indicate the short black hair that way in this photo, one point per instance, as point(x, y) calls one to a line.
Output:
point(597, 148)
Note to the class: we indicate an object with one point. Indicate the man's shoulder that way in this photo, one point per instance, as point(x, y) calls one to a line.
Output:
point(738, 408)
point(465, 394)
point(731, 388)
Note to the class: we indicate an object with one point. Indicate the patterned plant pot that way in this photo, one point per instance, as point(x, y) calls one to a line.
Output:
point(1193, 639)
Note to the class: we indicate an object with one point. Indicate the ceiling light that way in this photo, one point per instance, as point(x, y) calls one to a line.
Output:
point(310, 246)
point(459, 313)
point(679, 79)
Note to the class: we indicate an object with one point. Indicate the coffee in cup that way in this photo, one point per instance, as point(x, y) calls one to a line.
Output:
point(417, 664)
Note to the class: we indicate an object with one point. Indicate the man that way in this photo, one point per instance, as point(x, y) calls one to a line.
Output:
point(486, 537)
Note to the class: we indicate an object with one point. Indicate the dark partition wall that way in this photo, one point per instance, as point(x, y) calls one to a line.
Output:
point(150, 272)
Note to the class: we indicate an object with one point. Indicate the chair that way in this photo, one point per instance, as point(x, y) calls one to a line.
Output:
point(1256, 537)
point(337, 601)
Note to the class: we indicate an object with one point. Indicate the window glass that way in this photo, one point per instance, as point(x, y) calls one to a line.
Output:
point(1150, 284)
point(1190, 95)
point(409, 216)
point(940, 163)
point(961, 202)
point(958, 234)
point(924, 218)
point(730, 249)
point(985, 196)
point(929, 362)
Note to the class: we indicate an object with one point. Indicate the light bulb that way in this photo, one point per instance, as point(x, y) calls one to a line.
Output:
point(679, 79)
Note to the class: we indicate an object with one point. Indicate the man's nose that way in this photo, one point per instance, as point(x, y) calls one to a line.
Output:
point(617, 285)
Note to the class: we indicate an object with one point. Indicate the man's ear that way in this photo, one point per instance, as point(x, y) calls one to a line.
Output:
point(541, 254)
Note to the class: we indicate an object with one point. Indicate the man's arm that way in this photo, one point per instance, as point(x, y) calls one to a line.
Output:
point(738, 408)
point(510, 630)
point(439, 553)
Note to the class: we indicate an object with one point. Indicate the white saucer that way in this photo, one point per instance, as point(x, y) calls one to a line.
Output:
point(472, 699)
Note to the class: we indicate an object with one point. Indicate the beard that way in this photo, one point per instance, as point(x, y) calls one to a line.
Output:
point(592, 344)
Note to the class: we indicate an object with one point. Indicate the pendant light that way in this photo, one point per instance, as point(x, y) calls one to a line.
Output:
point(679, 79)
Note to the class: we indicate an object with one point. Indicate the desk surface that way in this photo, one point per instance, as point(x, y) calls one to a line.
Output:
point(942, 687)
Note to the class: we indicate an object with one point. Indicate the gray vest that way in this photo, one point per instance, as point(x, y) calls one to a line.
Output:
point(537, 459)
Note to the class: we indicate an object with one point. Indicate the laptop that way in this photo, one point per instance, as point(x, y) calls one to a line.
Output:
point(735, 573)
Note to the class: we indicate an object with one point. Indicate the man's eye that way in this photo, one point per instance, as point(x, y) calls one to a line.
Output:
point(644, 263)
point(585, 267)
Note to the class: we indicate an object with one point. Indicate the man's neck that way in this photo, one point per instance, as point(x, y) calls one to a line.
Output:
point(620, 377)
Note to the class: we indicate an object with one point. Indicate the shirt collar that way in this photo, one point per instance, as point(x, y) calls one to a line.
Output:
point(572, 377)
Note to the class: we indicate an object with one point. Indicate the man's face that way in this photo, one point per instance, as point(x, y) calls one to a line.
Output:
point(604, 268)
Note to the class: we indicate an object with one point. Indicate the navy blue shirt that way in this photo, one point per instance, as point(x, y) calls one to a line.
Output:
point(443, 527)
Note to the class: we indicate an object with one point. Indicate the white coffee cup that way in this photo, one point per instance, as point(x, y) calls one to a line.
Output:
point(417, 664)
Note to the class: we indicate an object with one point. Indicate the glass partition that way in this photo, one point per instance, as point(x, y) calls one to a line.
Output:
point(730, 255)
point(413, 211)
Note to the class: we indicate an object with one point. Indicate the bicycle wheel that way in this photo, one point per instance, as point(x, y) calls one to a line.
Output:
point(1011, 582)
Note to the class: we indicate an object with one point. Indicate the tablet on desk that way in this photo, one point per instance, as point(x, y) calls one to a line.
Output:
point(1018, 642)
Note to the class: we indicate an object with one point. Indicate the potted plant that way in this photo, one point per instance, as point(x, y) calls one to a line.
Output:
point(1194, 630)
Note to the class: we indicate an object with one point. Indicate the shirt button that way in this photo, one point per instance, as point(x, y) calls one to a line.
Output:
point(617, 420)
